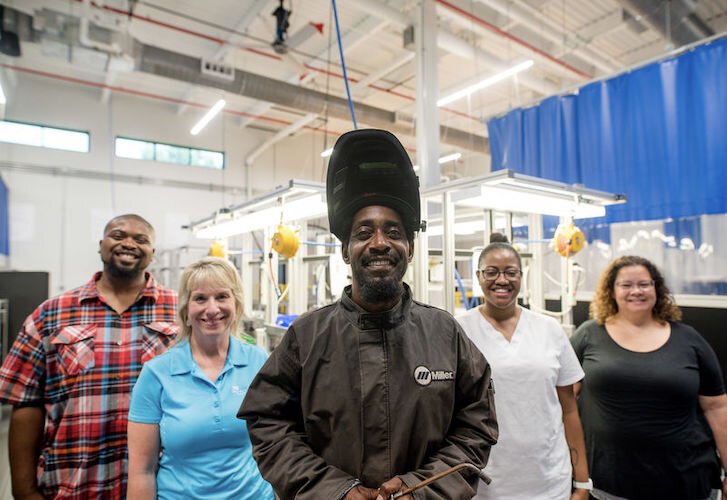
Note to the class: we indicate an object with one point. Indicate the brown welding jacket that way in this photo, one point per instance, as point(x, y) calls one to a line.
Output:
point(350, 395)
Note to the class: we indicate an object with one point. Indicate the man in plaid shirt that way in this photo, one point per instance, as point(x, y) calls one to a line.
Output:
point(70, 372)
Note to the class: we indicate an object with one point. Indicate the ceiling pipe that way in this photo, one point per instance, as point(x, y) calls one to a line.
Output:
point(185, 68)
point(455, 45)
point(350, 39)
point(362, 85)
point(251, 13)
point(539, 24)
point(299, 124)
point(684, 27)
point(280, 135)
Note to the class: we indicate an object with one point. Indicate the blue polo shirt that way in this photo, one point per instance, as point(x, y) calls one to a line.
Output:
point(206, 450)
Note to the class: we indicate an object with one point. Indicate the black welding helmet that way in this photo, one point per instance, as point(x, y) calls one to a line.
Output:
point(370, 167)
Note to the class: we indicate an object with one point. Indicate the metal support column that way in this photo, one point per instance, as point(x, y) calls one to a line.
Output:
point(298, 277)
point(427, 113)
point(535, 274)
point(448, 251)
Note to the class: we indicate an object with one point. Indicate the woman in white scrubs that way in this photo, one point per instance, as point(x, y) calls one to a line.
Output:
point(540, 453)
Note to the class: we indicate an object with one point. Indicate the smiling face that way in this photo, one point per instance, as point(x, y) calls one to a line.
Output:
point(633, 290)
point(379, 252)
point(126, 248)
point(211, 311)
point(500, 292)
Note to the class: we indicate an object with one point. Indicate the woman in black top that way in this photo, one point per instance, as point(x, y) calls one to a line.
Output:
point(653, 401)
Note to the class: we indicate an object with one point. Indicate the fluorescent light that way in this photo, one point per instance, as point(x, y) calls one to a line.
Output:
point(485, 83)
point(445, 159)
point(3, 100)
point(300, 209)
point(208, 117)
point(452, 157)
point(328, 152)
point(524, 201)
point(460, 228)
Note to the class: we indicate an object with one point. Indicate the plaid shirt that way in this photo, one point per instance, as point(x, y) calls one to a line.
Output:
point(80, 359)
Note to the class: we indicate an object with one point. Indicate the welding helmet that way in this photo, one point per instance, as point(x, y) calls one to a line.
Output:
point(370, 167)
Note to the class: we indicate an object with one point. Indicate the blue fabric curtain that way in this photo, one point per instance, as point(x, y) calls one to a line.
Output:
point(657, 134)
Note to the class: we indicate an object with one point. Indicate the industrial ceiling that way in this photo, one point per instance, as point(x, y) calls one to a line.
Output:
point(188, 53)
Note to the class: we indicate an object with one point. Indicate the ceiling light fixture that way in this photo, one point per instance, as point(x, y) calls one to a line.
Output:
point(296, 202)
point(444, 159)
point(208, 117)
point(505, 190)
point(448, 158)
point(3, 99)
point(485, 83)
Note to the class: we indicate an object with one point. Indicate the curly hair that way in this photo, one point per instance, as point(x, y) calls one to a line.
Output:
point(604, 305)
point(208, 272)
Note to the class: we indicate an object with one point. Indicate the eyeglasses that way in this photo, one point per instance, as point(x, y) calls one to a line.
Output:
point(641, 285)
point(492, 273)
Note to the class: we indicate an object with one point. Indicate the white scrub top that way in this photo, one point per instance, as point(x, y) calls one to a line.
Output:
point(531, 458)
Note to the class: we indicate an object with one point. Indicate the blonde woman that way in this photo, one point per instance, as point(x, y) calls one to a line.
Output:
point(653, 399)
point(185, 401)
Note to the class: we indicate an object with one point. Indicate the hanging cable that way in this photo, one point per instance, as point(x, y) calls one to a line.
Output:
point(280, 295)
point(343, 64)
point(462, 291)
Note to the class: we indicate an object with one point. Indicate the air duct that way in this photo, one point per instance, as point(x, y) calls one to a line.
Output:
point(168, 64)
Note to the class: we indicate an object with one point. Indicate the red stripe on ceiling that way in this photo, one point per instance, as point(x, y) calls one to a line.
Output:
point(515, 39)
point(262, 53)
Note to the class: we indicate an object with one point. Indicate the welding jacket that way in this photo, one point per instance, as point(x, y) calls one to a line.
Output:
point(350, 396)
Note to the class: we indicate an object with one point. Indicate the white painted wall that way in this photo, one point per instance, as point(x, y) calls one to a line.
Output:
point(56, 221)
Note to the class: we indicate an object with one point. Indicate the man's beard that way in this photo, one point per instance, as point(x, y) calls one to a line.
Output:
point(383, 289)
point(122, 273)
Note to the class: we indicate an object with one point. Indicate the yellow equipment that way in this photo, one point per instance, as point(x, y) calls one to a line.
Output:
point(285, 241)
point(217, 249)
point(568, 239)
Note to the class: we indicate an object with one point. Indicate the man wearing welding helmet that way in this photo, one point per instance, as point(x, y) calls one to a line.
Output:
point(372, 394)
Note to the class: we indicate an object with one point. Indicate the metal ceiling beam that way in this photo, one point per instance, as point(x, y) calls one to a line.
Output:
point(185, 68)
point(676, 21)
point(452, 43)
point(251, 13)
point(539, 24)
point(350, 39)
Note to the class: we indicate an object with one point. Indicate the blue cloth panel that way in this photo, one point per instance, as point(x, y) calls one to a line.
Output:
point(655, 134)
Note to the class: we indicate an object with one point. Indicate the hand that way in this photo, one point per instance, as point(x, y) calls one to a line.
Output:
point(361, 493)
point(390, 487)
point(724, 489)
point(579, 494)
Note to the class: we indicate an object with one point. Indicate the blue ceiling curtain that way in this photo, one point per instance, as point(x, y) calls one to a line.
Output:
point(657, 134)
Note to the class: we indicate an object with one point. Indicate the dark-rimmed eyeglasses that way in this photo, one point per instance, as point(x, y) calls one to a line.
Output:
point(492, 273)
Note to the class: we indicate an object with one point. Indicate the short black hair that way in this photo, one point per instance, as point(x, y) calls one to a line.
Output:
point(135, 217)
point(499, 241)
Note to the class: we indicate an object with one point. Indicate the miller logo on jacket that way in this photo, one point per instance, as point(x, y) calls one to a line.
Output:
point(425, 376)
